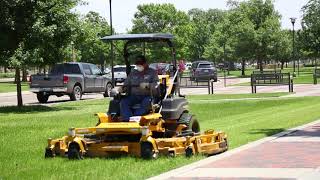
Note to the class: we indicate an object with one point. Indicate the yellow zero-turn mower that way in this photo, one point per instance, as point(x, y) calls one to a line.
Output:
point(168, 128)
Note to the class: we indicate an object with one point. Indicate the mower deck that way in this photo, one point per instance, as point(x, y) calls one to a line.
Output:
point(127, 138)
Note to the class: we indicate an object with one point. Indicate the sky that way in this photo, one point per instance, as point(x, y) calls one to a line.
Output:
point(123, 10)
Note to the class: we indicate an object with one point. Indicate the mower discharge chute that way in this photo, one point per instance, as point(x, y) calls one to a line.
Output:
point(168, 128)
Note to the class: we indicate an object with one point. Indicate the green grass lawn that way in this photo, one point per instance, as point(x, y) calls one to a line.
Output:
point(24, 133)
point(7, 75)
point(12, 87)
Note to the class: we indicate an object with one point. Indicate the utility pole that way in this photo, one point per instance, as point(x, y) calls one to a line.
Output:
point(111, 45)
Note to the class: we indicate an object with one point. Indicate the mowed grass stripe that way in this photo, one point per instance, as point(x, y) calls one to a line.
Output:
point(275, 116)
point(24, 133)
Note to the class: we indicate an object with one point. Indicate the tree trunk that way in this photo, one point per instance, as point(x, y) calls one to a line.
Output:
point(5, 69)
point(286, 64)
point(24, 75)
point(282, 65)
point(16, 77)
point(260, 65)
point(243, 67)
point(19, 94)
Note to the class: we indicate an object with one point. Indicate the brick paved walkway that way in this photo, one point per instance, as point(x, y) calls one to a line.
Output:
point(290, 155)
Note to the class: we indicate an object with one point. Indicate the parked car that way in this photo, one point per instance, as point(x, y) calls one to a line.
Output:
point(161, 68)
point(72, 79)
point(107, 70)
point(188, 65)
point(222, 66)
point(203, 70)
point(238, 66)
point(120, 73)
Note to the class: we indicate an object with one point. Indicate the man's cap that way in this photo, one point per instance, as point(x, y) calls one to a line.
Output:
point(140, 60)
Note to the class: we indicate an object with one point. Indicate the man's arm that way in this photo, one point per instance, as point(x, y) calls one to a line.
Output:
point(154, 79)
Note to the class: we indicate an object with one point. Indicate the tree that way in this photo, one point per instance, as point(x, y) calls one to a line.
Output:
point(266, 21)
point(244, 35)
point(232, 39)
point(282, 47)
point(87, 39)
point(34, 31)
point(162, 18)
point(311, 27)
point(203, 25)
point(219, 46)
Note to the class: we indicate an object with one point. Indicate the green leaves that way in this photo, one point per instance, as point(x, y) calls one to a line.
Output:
point(247, 32)
point(89, 47)
point(35, 32)
point(311, 27)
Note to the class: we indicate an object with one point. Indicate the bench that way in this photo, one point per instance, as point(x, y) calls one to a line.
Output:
point(270, 79)
point(316, 75)
point(187, 82)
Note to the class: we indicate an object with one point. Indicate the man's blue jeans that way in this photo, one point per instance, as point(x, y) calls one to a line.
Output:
point(128, 102)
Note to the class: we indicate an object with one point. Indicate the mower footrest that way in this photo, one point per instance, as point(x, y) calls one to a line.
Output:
point(116, 148)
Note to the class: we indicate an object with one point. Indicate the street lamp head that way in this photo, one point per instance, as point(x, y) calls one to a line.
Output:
point(293, 20)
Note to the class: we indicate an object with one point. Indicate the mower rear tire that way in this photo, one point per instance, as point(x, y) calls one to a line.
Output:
point(74, 152)
point(227, 144)
point(147, 151)
point(190, 121)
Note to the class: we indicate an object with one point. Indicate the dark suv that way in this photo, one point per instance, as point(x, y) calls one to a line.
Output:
point(203, 71)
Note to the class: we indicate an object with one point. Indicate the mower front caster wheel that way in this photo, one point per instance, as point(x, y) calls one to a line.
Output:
point(74, 152)
point(147, 151)
point(189, 152)
point(48, 153)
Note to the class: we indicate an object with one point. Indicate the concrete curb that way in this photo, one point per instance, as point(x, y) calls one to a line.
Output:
point(14, 93)
point(187, 168)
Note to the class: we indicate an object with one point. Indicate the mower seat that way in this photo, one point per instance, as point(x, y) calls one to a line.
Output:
point(172, 108)
point(136, 106)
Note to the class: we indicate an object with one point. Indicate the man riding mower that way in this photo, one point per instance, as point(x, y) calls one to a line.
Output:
point(141, 87)
point(158, 122)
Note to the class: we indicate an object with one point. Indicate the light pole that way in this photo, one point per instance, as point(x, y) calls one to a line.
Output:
point(72, 49)
point(293, 21)
point(111, 44)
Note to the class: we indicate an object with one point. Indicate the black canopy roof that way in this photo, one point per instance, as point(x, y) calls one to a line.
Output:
point(143, 37)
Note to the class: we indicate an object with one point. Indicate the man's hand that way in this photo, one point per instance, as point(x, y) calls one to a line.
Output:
point(121, 89)
point(114, 92)
point(144, 85)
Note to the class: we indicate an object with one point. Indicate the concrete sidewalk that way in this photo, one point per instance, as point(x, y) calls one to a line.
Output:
point(293, 154)
point(6, 79)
